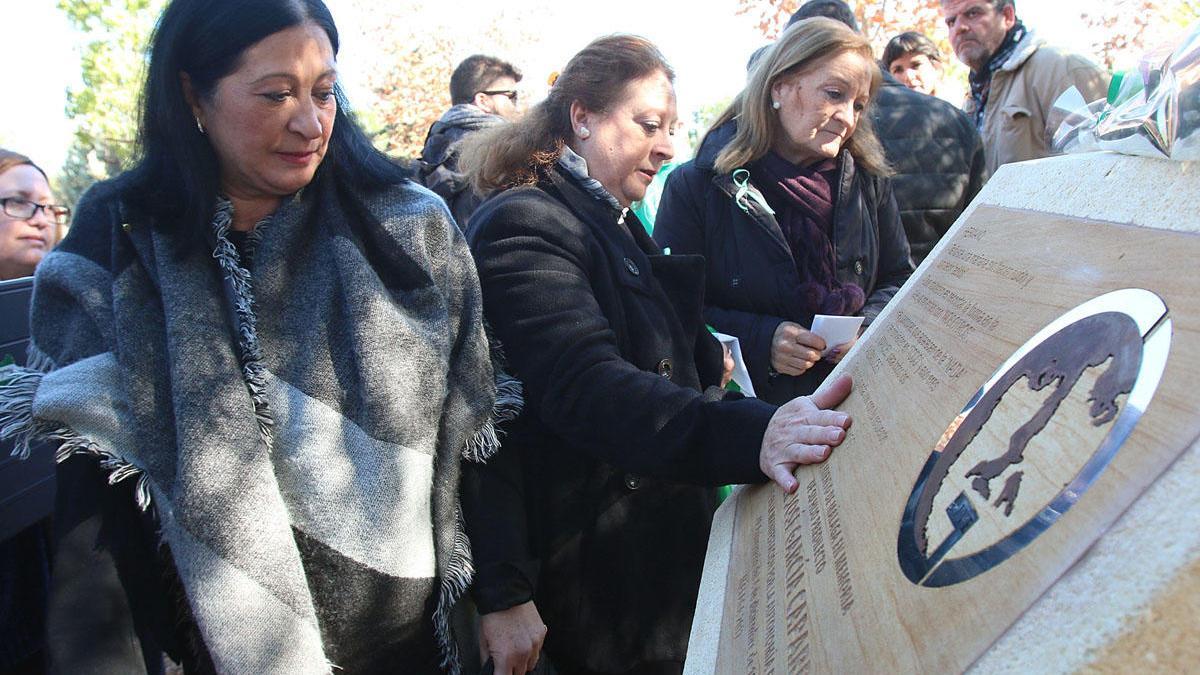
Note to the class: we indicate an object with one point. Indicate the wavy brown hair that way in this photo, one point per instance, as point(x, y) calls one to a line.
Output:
point(598, 77)
point(805, 46)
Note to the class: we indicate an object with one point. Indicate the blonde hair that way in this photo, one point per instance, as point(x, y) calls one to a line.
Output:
point(597, 78)
point(806, 45)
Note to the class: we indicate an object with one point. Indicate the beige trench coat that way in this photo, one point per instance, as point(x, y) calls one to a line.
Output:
point(1018, 124)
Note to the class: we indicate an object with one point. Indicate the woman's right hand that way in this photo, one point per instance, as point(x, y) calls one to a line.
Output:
point(512, 638)
point(804, 431)
point(795, 349)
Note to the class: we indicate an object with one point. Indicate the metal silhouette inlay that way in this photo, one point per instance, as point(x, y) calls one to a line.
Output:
point(1130, 332)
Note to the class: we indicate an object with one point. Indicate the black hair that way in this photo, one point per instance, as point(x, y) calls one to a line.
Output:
point(910, 42)
point(177, 178)
point(475, 73)
point(833, 9)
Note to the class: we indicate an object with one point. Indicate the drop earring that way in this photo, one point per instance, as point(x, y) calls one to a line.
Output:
point(584, 133)
point(200, 127)
point(775, 105)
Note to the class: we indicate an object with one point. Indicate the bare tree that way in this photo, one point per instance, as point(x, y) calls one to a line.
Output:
point(1122, 29)
point(416, 56)
point(879, 20)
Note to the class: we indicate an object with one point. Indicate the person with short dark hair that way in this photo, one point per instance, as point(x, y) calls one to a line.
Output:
point(1015, 78)
point(914, 61)
point(261, 355)
point(937, 155)
point(486, 82)
point(483, 91)
point(830, 9)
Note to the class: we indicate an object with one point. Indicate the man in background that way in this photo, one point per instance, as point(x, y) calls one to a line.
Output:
point(932, 146)
point(483, 93)
point(1015, 78)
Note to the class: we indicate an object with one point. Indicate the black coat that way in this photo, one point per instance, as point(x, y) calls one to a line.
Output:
point(938, 158)
point(751, 272)
point(595, 499)
point(438, 168)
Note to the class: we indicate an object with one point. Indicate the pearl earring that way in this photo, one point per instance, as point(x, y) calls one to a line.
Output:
point(775, 105)
point(584, 133)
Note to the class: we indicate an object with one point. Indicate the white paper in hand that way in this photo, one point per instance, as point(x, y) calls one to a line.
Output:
point(836, 330)
point(740, 374)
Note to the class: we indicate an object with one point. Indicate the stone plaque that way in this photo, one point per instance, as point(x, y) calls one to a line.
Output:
point(1028, 384)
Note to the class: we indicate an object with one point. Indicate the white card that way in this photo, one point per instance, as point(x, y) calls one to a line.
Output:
point(836, 330)
point(740, 374)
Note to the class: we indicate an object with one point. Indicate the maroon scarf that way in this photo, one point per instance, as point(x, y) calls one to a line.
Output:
point(803, 199)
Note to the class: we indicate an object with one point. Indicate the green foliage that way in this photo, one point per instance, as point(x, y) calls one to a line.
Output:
point(705, 115)
point(104, 108)
point(1184, 12)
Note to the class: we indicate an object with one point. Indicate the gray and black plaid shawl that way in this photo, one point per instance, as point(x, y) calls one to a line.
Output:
point(296, 423)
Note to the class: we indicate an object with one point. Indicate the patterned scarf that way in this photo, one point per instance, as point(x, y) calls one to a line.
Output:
point(295, 418)
point(981, 82)
point(803, 198)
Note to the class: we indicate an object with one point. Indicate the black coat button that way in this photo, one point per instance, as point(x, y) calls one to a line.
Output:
point(858, 266)
point(632, 482)
point(632, 267)
point(664, 368)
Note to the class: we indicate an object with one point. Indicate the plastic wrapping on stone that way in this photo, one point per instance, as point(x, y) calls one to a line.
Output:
point(1153, 111)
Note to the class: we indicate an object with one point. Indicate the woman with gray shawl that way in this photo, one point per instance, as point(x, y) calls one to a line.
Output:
point(261, 355)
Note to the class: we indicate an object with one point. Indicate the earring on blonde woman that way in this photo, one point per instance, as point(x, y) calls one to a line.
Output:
point(775, 105)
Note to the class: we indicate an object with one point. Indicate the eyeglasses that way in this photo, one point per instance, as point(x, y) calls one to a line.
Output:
point(23, 209)
point(510, 93)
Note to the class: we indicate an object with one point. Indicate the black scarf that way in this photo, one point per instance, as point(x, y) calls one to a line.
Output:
point(981, 82)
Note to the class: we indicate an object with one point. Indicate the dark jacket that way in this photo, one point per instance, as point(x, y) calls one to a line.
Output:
point(751, 272)
point(594, 499)
point(938, 158)
point(438, 166)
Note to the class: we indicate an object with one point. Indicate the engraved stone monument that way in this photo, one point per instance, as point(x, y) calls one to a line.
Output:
point(1019, 491)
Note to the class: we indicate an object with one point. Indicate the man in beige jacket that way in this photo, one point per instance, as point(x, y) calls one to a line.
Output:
point(1015, 78)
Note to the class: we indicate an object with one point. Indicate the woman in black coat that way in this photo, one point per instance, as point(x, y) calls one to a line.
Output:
point(596, 507)
point(789, 204)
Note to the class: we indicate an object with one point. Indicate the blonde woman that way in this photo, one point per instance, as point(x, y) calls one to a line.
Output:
point(790, 203)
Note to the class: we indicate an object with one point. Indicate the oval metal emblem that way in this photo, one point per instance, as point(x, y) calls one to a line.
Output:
point(1125, 337)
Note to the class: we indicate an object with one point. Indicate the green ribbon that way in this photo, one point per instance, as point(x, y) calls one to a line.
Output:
point(741, 180)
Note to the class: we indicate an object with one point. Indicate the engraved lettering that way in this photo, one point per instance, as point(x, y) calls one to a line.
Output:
point(814, 523)
point(837, 542)
point(752, 634)
point(772, 562)
point(934, 351)
point(798, 648)
point(1019, 277)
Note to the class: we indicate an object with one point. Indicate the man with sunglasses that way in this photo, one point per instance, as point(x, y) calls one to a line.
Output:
point(483, 91)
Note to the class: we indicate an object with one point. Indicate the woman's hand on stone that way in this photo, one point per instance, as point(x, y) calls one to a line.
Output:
point(795, 349)
point(804, 431)
point(512, 638)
